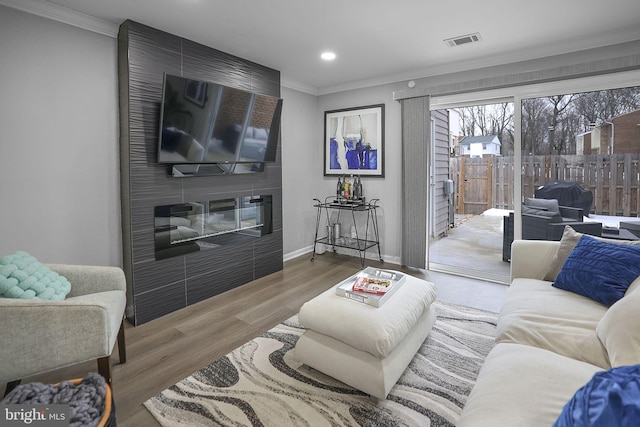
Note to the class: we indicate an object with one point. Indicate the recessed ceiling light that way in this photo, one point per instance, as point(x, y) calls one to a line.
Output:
point(328, 56)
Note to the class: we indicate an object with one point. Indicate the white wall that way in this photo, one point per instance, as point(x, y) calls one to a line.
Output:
point(300, 168)
point(59, 155)
point(59, 158)
point(387, 189)
point(303, 173)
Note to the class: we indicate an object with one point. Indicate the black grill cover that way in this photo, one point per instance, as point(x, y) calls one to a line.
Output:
point(567, 194)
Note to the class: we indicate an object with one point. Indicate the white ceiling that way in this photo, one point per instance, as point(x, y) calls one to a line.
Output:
point(377, 41)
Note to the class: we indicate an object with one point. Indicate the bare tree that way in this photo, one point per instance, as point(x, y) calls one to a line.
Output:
point(489, 119)
point(601, 106)
point(502, 125)
point(549, 124)
point(535, 121)
point(558, 132)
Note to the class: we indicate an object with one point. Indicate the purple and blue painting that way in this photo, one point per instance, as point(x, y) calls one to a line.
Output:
point(354, 141)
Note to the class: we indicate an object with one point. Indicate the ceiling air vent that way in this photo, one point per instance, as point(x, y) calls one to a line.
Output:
point(457, 41)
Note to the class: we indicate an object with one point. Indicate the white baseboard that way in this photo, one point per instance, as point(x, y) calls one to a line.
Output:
point(369, 255)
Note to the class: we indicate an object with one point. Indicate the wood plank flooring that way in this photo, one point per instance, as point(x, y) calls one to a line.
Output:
point(166, 350)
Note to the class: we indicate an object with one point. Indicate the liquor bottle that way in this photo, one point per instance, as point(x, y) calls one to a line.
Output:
point(339, 188)
point(357, 189)
point(346, 189)
point(343, 191)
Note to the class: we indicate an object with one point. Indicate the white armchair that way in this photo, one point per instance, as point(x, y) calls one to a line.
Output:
point(39, 336)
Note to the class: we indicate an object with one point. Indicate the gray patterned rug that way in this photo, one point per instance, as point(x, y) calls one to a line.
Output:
point(261, 384)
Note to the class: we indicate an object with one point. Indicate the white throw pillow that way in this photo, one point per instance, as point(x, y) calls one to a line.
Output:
point(618, 329)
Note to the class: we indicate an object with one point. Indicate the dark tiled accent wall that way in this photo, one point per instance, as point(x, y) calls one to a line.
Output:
point(155, 287)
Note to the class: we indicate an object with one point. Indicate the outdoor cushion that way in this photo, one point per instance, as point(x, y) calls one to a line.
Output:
point(599, 270)
point(528, 210)
point(550, 205)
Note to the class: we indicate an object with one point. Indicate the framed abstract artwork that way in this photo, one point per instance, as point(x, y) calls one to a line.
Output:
point(354, 141)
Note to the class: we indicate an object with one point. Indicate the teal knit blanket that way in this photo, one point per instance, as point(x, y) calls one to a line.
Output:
point(22, 276)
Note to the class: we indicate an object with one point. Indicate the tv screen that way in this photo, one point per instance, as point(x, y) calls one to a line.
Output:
point(204, 122)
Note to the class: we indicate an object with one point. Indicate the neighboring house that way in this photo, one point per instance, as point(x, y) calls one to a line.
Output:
point(618, 135)
point(478, 146)
point(454, 130)
point(439, 199)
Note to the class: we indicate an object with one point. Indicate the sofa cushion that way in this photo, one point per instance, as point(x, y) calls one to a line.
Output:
point(261, 133)
point(523, 386)
point(537, 314)
point(617, 332)
point(599, 270)
point(569, 241)
point(610, 398)
point(22, 276)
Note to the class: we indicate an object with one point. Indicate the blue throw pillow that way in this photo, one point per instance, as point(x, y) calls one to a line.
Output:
point(610, 398)
point(22, 276)
point(599, 270)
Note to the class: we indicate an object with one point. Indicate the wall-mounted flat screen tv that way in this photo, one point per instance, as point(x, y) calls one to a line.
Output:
point(204, 122)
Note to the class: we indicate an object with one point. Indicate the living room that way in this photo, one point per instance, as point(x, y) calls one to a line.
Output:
point(61, 155)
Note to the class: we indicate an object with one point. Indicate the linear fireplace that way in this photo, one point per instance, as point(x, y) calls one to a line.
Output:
point(196, 226)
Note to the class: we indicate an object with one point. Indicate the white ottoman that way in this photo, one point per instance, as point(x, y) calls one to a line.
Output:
point(365, 347)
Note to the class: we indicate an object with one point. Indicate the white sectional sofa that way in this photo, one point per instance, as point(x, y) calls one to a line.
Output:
point(550, 342)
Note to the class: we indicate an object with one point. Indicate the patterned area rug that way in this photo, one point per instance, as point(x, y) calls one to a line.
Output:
point(262, 384)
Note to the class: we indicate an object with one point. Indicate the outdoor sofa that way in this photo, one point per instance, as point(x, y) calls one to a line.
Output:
point(545, 219)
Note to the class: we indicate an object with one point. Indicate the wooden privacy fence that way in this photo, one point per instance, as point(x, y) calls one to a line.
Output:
point(483, 183)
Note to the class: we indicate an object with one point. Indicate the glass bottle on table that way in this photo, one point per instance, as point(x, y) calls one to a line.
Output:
point(357, 188)
point(344, 186)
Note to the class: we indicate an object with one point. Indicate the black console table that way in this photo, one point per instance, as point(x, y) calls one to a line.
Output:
point(362, 241)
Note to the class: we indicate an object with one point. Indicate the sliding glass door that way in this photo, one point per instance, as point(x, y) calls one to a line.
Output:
point(581, 150)
point(581, 136)
point(472, 168)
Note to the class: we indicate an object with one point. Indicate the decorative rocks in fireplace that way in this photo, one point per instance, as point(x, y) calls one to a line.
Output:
point(195, 226)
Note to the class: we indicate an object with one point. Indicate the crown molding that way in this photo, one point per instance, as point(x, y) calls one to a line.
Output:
point(65, 15)
point(300, 87)
point(610, 38)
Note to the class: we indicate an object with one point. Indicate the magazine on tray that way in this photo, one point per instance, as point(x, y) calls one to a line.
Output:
point(371, 286)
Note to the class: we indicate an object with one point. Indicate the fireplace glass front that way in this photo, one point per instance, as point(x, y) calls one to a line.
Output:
point(195, 226)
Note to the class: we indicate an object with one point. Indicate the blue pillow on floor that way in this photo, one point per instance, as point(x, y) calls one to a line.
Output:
point(610, 398)
point(599, 270)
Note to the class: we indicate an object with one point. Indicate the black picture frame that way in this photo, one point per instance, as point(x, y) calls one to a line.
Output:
point(354, 141)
